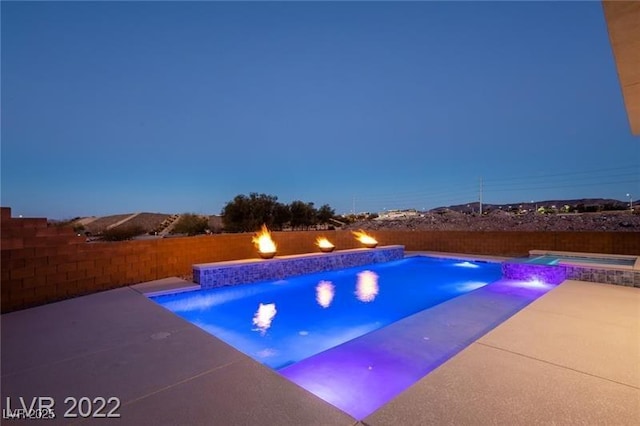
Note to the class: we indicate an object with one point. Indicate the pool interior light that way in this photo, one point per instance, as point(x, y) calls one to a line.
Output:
point(467, 264)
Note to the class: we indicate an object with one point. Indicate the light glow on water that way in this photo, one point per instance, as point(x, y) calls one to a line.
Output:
point(267, 353)
point(471, 285)
point(467, 264)
point(536, 283)
point(202, 303)
point(367, 287)
point(325, 291)
point(264, 316)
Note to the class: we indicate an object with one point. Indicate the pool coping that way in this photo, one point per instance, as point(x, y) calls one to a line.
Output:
point(80, 342)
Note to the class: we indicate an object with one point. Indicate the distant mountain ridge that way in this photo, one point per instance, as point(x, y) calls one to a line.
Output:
point(602, 214)
point(146, 222)
point(588, 203)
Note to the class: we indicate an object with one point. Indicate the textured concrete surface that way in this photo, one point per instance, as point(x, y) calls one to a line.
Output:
point(241, 393)
point(574, 329)
point(165, 285)
point(164, 370)
point(58, 332)
point(488, 386)
point(570, 357)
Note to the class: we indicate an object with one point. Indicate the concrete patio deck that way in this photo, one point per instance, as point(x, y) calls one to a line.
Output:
point(570, 357)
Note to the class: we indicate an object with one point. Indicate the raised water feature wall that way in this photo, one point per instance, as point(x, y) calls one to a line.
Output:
point(527, 272)
point(219, 274)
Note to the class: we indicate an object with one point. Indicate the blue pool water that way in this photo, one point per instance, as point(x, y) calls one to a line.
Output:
point(280, 323)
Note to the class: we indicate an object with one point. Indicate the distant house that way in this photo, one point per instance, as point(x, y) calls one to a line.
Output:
point(397, 214)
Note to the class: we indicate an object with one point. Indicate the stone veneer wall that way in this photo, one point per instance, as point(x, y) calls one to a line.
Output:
point(599, 275)
point(210, 275)
point(549, 274)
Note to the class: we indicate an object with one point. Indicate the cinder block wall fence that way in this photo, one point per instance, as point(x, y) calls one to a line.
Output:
point(42, 264)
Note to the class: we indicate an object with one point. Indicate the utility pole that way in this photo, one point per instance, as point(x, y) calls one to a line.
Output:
point(353, 206)
point(480, 196)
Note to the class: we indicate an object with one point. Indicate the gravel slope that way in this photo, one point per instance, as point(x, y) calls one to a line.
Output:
point(503, 221)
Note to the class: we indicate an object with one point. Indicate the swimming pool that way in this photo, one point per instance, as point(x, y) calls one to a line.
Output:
point(358, 337)
point(280, 323)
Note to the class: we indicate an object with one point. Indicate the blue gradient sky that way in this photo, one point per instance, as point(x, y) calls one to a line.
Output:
point(117, 107)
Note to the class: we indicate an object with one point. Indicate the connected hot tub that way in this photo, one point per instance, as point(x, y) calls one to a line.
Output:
point(557, 266)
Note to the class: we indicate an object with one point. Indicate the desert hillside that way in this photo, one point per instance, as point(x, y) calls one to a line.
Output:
point(498, 220)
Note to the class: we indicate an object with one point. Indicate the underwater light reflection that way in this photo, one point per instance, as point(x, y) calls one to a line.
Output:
point(201, 303)
point(536, 283)
point(531, 284)
point(325, 291)
point(367, 286)
point(264, 316)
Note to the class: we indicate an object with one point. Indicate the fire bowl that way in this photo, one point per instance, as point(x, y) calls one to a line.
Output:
point(267, 255)
point(327, 249)
point(370, 245)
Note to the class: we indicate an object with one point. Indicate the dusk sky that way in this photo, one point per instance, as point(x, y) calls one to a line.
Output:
point(169, 107)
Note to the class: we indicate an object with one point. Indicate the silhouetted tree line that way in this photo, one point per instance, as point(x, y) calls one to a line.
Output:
point(581, 208)
point(191, 224)
point(248, 213)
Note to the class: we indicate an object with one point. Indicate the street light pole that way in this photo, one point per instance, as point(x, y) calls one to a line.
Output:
point(480, 198)
point(630, 203)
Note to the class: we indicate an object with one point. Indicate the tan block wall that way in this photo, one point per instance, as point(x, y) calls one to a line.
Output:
point(41, 265)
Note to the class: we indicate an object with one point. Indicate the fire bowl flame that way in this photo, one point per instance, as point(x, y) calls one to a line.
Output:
point(365, 239)
point(264, 243)
point(325, 245)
